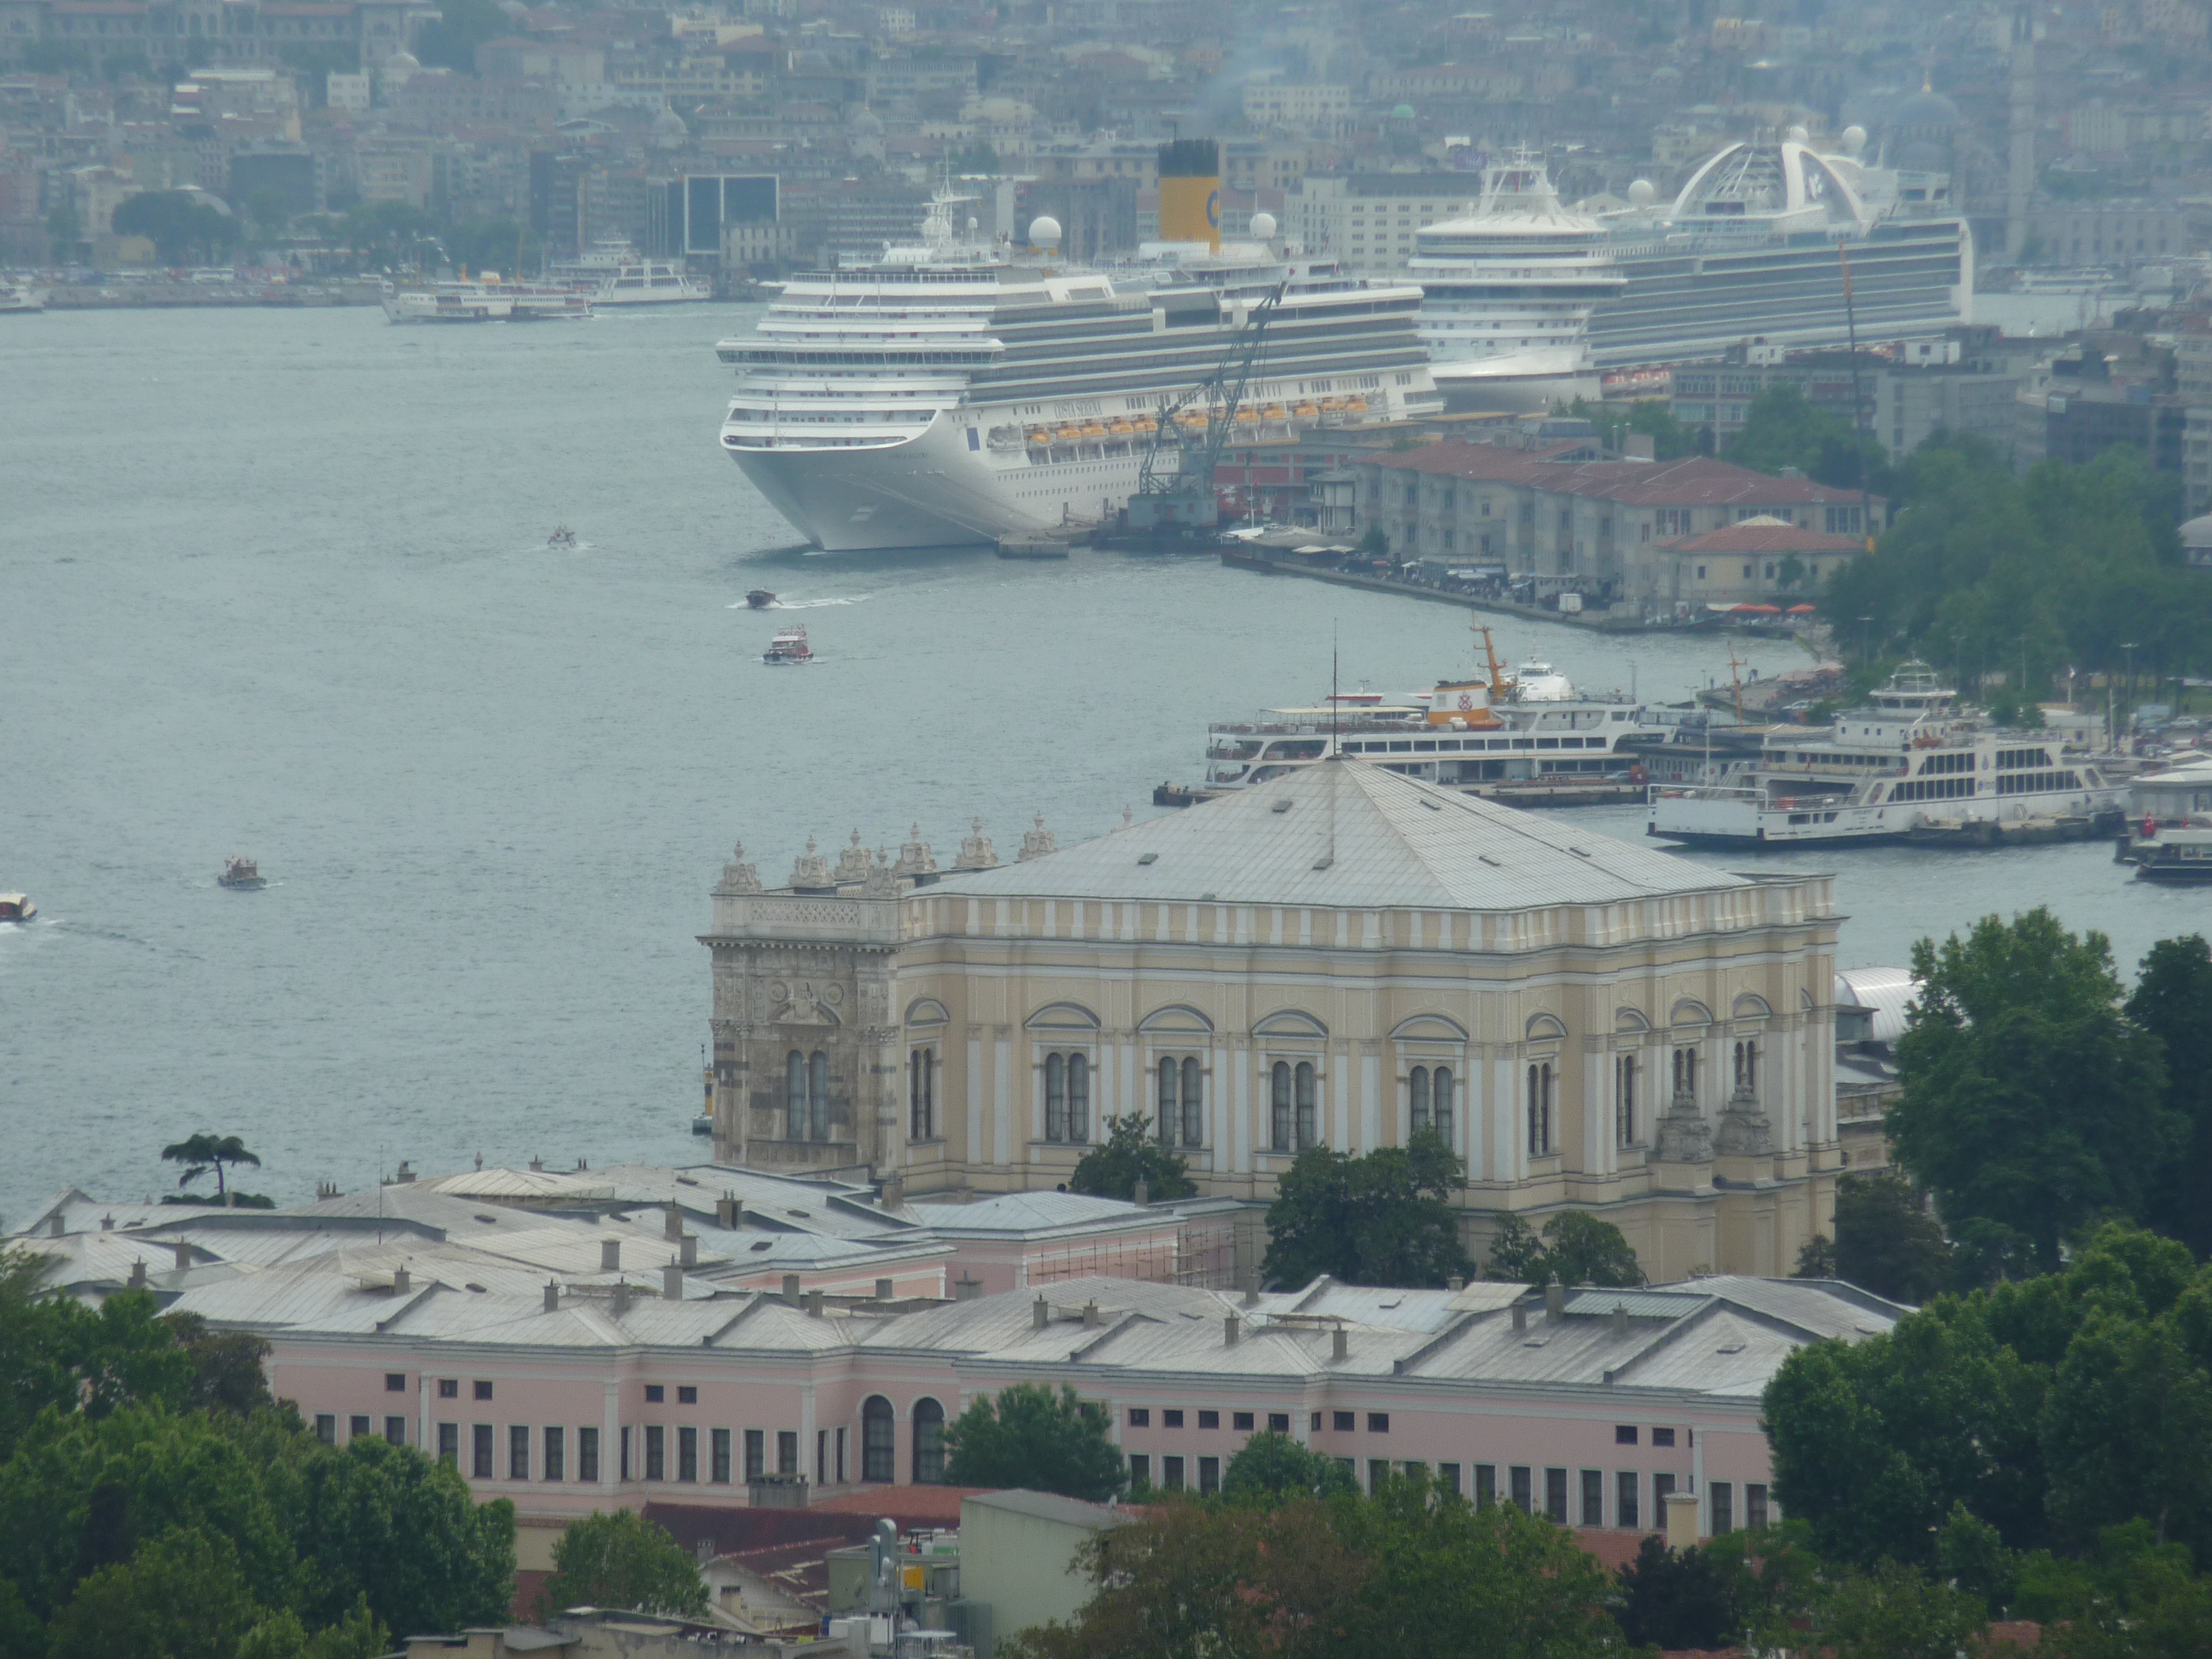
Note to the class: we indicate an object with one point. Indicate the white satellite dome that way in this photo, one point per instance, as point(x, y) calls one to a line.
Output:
point(1799, 136)
point(1643, 192)
point(1044, 231)
point(1854, 139)
point(1263, 226)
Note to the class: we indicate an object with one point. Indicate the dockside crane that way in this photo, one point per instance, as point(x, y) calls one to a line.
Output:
point(1181, 504)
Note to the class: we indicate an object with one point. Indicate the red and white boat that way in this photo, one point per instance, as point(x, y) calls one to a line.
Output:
point(16, 907)
point(789, 645)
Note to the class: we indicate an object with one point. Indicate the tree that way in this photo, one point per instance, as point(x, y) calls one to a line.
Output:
point(180, 223)
point(462, 27)
point(499, 244)
point(268, 210)
point(181, 1596)
point(202, 1152)
point(1375, 544)
point(1272, 1467)
point(385, 234)
point(1648, 417)
point(620, 1560)
point(227, 1372)
point(2173, 1001)
point(1129, 1156)
point(1816, 1258)
point(1579, 1248)
point(2029, 1098)
point(1885, 1240)
point(1381, 1220)
point(1035, 1439)
point(1783, 429)
point(282, 1636)
point(1517, 1254)
point(1689, 1599)
point(1893, 1613)
point(2127, 1431)
point(57, 1354)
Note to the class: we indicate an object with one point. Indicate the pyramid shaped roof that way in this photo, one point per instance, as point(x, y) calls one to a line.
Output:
point(1348, 834)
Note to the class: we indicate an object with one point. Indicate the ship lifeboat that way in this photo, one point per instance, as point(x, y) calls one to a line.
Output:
point(1146, 424)
point(1119, 427)
point(1355, 406)
point(1067, 432)
point(1094, 431)
point(1039, 435)
point(1247, 416)
point(1191, 417)
point(1307, 412)
point(1274, 412)
point(1332, 406)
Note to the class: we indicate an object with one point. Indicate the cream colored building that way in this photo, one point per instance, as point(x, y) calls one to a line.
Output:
point(1338, 958)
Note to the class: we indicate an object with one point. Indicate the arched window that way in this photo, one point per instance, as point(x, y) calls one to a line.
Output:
point(1279, 1106)
point(1746, 1067)
point(922, 1095)
point(1540, 1109)
point(794, 1115)
point(1055, 1096)
point(1181, 1103)
point(1417, 1088)
point(1440, 1095)
point(1305, 1081)
point(1170, 1101)
point(928, 1443)
point(1193, 1103)
point(1623, 1099)
point(879, 1440)
point(817, 1094)
point(1067, 1098)
point(1685, 1074)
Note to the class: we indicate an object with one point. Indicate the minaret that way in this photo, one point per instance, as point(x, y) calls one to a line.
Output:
point(2019, 183)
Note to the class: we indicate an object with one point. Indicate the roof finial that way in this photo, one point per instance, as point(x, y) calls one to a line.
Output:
point(1128, 815)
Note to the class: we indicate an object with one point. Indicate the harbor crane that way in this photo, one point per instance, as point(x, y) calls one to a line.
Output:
point(1181, 501)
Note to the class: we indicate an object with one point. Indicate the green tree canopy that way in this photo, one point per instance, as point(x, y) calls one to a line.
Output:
point(1384, 1219)
point(1885, 1240)
point(497, 244)
point(2173, 1001)
point(1681, 1599)
point(1129, 1156)
point(1783, 429)
point(1575, 1247)
point(183, 226)
point(1032, 1438)
point(180, 1596)
point(2030, 1100)
point(620, 1560)
point(1648, 417)
point(202, 1153)
point(1272, 1467)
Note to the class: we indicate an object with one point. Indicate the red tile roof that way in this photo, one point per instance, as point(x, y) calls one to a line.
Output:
point(1695, 481)
point(1493, 462)
point(1753, 536)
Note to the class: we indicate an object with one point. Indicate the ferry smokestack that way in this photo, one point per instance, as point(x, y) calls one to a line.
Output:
point(1190, 192)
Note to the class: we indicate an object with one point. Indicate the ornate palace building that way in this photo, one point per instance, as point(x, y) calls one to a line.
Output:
point(1343, 957)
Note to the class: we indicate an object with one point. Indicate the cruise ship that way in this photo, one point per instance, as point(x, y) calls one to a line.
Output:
point(1911, 765)
point(612, 272)
point(951, 393)
point(1758, 243)
point(1507, 294)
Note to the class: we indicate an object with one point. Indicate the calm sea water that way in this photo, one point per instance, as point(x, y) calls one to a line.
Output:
point(278, 584)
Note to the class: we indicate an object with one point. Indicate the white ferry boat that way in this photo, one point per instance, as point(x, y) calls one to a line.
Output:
point(21, 297)
point(951, 394)
point(612, 272)
point(482, 299)
point(1528, 725)
point(1911, 761)
point(1507, 292)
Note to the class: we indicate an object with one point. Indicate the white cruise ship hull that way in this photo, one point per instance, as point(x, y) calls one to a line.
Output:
point(932, 491)
point(1516, 382)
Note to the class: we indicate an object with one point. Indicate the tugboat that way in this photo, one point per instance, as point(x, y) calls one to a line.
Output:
point(789, 645)
point(242, 873)
point(2179, 852)
point(16, 907)
point(760, 599)
point(562, 536)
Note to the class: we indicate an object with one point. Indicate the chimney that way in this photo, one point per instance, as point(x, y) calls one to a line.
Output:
point(610, 1255)
point(1637, 447)
point(138, 1275)
point(1340, 1347)
point(552, 1296)
point(814, 1304)
point(621, 1297)
point(1228, 1331)
point(1143, 1193)
point(729, 1210)
point(672, 1222)
point(1519, 1317)
point(537, 1166)
point(55, 1228)
point(1621, 1319)
point(401, 1284)
point(884, 1292)
point(1090, 1315)
point(325, 1189)
point(184, 1256)
point(790, 1289)
point(894, 1192)
point(1455, 1284)
point(686, 1250)
point(1252, 1288)
point(671, 1282)
point(1040, 1313)
point(1555, 1301)
point(966, 1289)
point(405, 1175)
point(1681, 1519)
point(107, 1223)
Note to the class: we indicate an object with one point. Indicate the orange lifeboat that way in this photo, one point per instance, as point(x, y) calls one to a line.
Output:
point(1094, 430)
point(1067, 432)
point(1039, 434)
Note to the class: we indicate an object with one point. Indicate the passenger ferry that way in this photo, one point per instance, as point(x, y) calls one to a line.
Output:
point(482, 299)
point(951, 394)
point(789, 647)
point(1526, 725)
point(2176, 852)
point(1911, 759)
point(612, 272)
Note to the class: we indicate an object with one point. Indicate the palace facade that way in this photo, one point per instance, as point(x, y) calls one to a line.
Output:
point(1342, 958)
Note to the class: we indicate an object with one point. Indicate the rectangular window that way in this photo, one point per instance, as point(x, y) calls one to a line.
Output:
point(1316, 1424)
point(449, 1387)
point(395, 1382)
point(686, 1452)
point(687, 1396)
point(719, 1473)
point(1172, 1419)
point(1524, 1490)
point(1485, 1484)
point(1140, 1471)
point(449, 1444)
point(1624, 1434)
point(1209, 1476)
point(654, 1394)
point(588, 1455)
point(1171, 1474)
point(1754, 1506)
point(786, 1451)
point(1724, 1496)
point(327, 1428)
point(1209, 1419)
point(841, 1431)
point(1240, 1421)
point(625, 1453)
point(556, 1454)
point(483, 1390)
point(1345, 1422)
point(1378, 1422)
point(922, 1095)
point(1378, 1471)
point(1555, 1495)
point(656, 1452)
point(1413, 1468)
point(1140, 1417)
point(1278, 1422)
point(1663, 1488)
point(480, 1450)
point(395, 1431)
point(1593, 1498)
point(357, 1428)
point(1662, 1437)
point(1625, 1515)
point(518, 1451)
point(1447, 1478)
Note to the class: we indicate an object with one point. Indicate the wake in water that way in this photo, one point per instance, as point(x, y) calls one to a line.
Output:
point(798, 605)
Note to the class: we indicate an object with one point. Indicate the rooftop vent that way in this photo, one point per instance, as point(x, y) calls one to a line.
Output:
point(1282, 806)
point(1148, 858)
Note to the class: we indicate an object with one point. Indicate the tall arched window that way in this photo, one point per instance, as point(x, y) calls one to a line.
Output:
point(1055, 1096)
point(879, 1440)
point(1279, 1106)
point(1417, 1087)
point(1686, 1073)
point(922, 1095)
point(1079, 1097)
point(1746, 1067)
point(1623, 1099)
point(1429, 1090)
point(1304, 1083)
point(794, 1115)
point(1067, 1098)
point(1540, 1109)
point(1170, 1102)
point(817, 1094)
point(1181, 1103)
point(928, 1443)
point(1193, 1103)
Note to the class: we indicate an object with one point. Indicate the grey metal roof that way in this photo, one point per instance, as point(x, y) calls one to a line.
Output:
point(1887, 991)
point(1018, 1214)
point(1348, 834)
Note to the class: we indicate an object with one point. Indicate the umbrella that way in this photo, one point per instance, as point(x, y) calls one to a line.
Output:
point(1801, 610)
point(1759, 610)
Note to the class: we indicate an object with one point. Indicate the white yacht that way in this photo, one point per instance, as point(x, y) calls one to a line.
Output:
point(612, 272)
point(1912, 765)
point(20, 296)
point(949, 393)
point(1507, 292)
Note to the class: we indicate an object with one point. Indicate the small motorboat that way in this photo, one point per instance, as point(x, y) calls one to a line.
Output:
point(16, 907)
point(789, 645)
point(241, 872)
point(760, 599)
point(562, 536)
